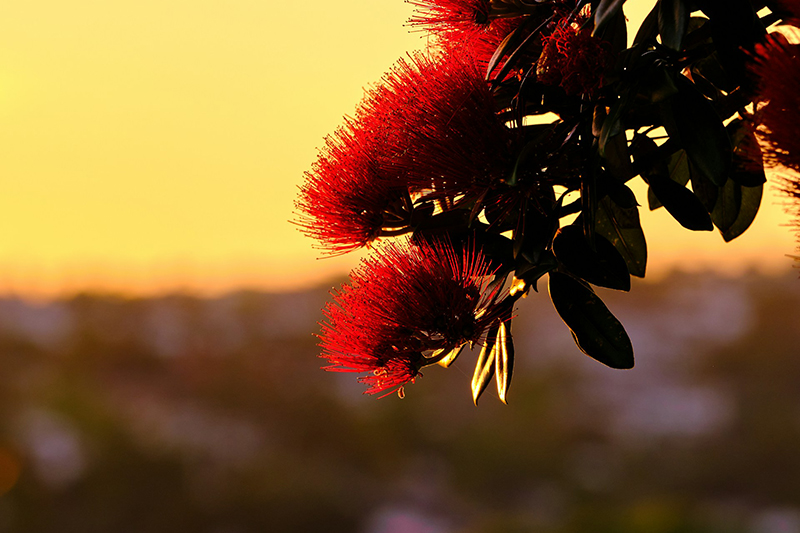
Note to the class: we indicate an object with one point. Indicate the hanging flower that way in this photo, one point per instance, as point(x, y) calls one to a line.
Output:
point(405, 308)
point(572, 58)
point(352, 195)
point(451, 16)
point(455, 144)
point(429, 126)
point(776, 66)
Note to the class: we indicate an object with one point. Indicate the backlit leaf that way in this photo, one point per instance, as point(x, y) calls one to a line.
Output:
point(621, 226)
point(596, 331)
point(602, 266)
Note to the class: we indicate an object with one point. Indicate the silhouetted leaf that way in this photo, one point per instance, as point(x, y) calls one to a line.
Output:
point(727, 207)
point(677, 171)
point(706, 191)
point(750, 203)
point(681, 203)
point(649, 28)
point(611, 125)
point(656, 84)
point(602, 266)
point(621, 226)
point(691, 118)
point(604, 12)
point(596, 331)
point(617, 160)
point(673, 18)
point(506, 46)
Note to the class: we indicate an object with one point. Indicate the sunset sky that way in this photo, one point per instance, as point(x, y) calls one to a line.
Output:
point(153, 146)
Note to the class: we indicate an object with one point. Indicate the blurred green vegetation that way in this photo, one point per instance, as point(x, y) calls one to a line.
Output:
point(186, 414)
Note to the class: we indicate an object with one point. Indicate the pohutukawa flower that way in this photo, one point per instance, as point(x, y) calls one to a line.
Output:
point(572, 58)
point(777, 68)
point(352, 195)
point(446, 16)
point(455, 143)
point(407, 307)
point(351, 345)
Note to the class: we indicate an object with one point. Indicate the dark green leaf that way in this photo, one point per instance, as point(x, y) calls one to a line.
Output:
point(611, 125)
point(691, 118)
point(710, 69)
point(673, 18)
point(727, 206)
point(677, 171)
point(621, 194)
point(656, 85)
point(604, 12)
point(706, 191)
point(622, 228)
point(506, 46)
point(750, 203)
point(504, 360)
point(617, 160)
point(512, 59)
point(596, 331)
point(649, 28)
point(681, 203)
point(735, 28)
point(602, 266)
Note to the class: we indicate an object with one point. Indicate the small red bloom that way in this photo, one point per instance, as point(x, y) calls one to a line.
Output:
point(777, 69)
point(572, 58)
point(403, 304)
point(429, 126)
point(352, 193)
point(455, 144)
point(776, 66)
point(451, 16)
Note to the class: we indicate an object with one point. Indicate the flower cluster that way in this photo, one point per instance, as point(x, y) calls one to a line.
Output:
point(572, 58)
point(777, 67)
point(405, 307)
point(461, 17)
point(429, 127)
point(352, 195)
point(505, 150)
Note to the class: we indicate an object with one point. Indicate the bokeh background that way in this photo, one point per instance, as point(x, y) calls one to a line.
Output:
point(158, 370)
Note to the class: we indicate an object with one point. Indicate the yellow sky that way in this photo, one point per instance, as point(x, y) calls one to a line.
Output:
point(158, 145)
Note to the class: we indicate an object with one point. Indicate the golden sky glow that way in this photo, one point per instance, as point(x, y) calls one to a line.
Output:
point(158, 145)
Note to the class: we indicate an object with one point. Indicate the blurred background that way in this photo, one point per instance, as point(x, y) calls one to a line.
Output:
point(157, 310)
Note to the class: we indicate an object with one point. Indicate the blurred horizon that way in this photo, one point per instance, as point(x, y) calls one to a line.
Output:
point(212, 415)
point(158, 147)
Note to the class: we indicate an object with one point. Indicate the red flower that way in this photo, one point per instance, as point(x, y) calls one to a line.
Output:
point(352, 195)
point(777, 69)
point(403, 304)
point(572, 58)
point(446, 16)
point(776, 66)
point(455, 144)
point(430, 125)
